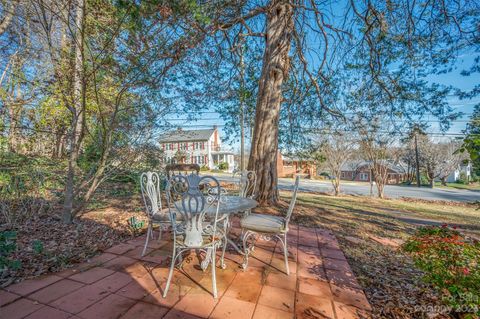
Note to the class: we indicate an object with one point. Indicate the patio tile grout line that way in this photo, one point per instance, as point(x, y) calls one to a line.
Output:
point(263, 284)
point(223, 295)
point(332, 303)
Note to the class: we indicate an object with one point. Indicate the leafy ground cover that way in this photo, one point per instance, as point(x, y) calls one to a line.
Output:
point(451, 265)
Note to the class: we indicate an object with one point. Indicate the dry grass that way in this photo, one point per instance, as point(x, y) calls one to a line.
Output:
point(388, 276)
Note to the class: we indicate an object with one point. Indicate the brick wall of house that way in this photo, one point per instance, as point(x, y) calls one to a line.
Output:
point(363, 175)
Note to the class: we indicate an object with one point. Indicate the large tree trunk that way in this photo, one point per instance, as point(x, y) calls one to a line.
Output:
point(78, 113)
point(263, 155)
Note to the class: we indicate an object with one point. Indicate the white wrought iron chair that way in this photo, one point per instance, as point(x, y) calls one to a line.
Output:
point(247, 183)
point(151, 194)
point(192, 197)
point(269, 227)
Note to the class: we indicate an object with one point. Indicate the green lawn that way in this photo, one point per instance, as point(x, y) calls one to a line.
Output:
point(471, 186)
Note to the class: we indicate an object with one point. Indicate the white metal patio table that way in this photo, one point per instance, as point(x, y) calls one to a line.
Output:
point(230, 205)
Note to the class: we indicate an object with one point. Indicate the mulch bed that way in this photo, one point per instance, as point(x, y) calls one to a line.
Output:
point(46, 244)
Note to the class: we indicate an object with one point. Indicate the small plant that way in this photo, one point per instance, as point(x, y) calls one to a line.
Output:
point(135, 224)
point(7, 247)
point(451, 264)
point(37, 246)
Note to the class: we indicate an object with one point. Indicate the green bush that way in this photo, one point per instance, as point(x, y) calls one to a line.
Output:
point(204, 168)
point(462, 179)
point(475, 178)
point(223, 166)
point(451, 264)
point(8, 245)
point(424, 180)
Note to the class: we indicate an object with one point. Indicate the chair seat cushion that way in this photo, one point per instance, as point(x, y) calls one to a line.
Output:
point(263, 223)
point(164, 216)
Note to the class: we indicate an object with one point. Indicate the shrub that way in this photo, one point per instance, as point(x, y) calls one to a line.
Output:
point(475, 178)
point(463, 179)
point(424, 180)
point(223, 166)
point(451, 264)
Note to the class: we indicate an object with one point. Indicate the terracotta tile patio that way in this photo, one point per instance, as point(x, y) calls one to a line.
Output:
point(121, 284)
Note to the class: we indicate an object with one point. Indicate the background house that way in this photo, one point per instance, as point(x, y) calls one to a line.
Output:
point(201, 147)
point(464, 171)
point(290, 166)
point(360, 171)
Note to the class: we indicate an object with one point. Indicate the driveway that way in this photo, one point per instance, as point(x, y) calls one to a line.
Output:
point(391, 191)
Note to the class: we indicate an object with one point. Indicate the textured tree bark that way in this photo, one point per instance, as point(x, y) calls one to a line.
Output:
point(263, 154)
point(336, 184)
point(78, 110)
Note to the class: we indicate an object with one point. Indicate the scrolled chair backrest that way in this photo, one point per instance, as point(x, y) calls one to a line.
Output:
point(181, 169)
point(247, 183)
point(292, 201)
point(192, 196)
point(150, 187)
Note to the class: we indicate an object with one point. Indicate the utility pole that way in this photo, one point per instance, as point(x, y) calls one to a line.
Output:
point(242, 109)
point(417, 162)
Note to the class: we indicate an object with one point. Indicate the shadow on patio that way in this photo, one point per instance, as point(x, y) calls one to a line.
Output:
point(121, 284)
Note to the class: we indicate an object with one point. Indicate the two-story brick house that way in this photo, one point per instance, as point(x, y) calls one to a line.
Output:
point(202, 147)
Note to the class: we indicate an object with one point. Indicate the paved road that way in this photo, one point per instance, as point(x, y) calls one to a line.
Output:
point(391, 191)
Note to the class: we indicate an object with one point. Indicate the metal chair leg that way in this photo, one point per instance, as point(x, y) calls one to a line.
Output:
point(214, 278)
point(170, 273)
point(149, 229)
point(246, 250)
point(225, 242)
point(285, 252)
point(159, 233)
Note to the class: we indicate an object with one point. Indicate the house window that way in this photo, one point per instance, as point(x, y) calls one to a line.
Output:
point(343, 174)
point(364, 176)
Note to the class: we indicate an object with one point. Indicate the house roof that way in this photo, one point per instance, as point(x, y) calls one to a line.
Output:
point(354, 165)
point(180, 135)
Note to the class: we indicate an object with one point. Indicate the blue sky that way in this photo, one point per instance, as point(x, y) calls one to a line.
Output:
point(453, 78)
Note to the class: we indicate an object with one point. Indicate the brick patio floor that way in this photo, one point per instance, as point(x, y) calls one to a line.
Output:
point(121, 284)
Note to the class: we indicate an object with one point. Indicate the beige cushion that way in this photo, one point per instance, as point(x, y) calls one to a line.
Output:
point(164, 216)
point(263, 223)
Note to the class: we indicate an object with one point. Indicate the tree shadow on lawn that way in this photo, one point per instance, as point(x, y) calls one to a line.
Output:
point(348, 219)
point(389, 219)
